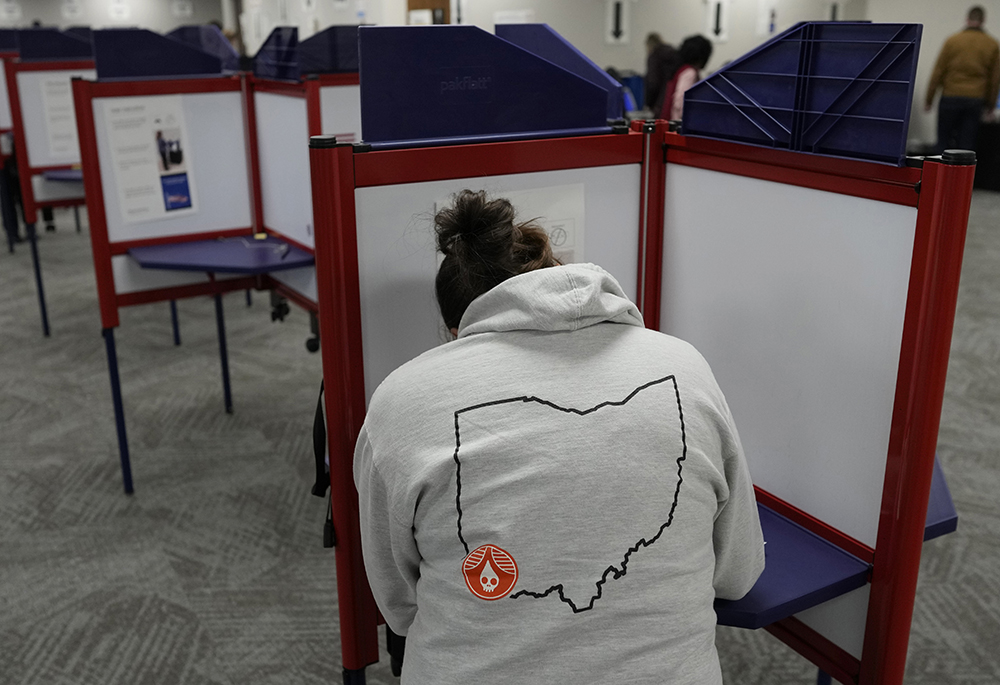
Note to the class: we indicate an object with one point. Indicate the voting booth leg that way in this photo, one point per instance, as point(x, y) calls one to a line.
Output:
point(223, 354)
point(76, 217)
point(7, 212)
point(33, 239)
point(116, 398)
point(354, 676)
point(249, 298)
point(173, 320)
point(824, 678)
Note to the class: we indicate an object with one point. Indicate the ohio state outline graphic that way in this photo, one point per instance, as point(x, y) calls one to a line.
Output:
point(504, 494)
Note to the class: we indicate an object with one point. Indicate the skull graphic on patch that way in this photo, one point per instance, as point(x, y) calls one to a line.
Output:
point(529, 472)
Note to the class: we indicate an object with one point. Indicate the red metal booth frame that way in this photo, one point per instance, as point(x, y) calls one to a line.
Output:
point(941, 194)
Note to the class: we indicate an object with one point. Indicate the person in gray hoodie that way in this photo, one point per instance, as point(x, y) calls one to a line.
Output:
point(558, 495)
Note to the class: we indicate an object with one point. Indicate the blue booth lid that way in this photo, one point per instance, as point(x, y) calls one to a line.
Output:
point(209, 39)
point(332, 50)
point(841, 89)
point(81, 32)
point(52, 44)
point(8, 40)
point(139, 53)
point(432, 84)
point(541, 40)
point(278, 57)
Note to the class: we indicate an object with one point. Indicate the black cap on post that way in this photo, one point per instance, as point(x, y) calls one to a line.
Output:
point(959, 157)
point(325, 141)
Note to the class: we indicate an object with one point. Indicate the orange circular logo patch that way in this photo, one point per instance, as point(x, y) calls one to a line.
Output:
point(489, 572)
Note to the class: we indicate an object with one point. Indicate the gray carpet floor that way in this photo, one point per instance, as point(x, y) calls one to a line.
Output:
point(214, 572)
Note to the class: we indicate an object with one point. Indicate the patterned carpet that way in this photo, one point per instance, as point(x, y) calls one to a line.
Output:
point(214, 573)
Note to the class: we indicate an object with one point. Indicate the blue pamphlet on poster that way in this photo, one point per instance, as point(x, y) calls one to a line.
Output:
point(176, 194)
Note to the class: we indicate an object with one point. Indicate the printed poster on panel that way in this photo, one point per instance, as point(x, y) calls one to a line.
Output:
point(151, 157)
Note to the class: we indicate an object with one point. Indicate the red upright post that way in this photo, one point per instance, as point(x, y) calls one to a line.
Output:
point(332, 167)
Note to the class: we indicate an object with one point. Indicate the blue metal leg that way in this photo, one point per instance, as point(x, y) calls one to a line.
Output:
point(223, 354)
point(116, 398)
point(76, 215)
point(38, 278)
point(355, 676)
point(249, 298)
point(173, 320)
point(823, 678)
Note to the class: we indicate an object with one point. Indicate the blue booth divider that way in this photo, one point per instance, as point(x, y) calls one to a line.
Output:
point(139, 53)
point(209, 39)
point(426, 85)
point(842, 89)
point(52, 44)
point(81, 32)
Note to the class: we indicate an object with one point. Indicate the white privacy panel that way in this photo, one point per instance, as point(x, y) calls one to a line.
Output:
point(215, 151)
point(841, 620)
point(796, 298)
point(285, 184)
point(49, 117)
point(340, 112)
point(5, 120)
point(302, 281)
point(397, 259)
point(132, 278)
point(45, 190)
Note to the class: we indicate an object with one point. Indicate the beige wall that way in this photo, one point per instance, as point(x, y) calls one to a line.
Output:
point(940, 19)
point(149, 14)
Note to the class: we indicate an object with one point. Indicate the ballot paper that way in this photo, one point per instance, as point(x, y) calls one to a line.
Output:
point(151, 157)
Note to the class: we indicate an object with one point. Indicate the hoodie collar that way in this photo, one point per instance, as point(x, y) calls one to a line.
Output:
point(559, 298)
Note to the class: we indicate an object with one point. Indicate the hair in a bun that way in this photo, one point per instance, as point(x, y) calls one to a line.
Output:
point(482, 247)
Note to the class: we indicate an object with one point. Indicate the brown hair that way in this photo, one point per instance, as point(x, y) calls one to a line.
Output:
point(482, 247)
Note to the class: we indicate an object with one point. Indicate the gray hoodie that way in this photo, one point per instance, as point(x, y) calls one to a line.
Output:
point(558, 496)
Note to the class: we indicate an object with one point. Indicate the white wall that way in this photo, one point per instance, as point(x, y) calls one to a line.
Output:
point(158, 15)
point(940, 20)
point(310, 16)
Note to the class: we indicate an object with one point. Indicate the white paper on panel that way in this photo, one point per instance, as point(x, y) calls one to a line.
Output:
point(398, 262)
point(49, 117)
point(285, 183)
point(46, 190)
point(796, 298)
point(340, 112)
point(215, 131)
point(302, 281)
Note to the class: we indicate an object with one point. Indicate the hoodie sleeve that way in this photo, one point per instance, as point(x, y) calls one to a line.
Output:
point(739, 543)
point(392, 560)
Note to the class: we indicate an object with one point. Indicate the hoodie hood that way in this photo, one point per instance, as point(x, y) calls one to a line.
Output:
point(559, 298)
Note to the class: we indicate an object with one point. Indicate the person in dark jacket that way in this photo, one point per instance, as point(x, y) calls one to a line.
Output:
point(662, 60)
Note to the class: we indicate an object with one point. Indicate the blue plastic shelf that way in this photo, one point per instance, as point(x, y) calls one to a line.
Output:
point(833, 88)
point(439, 82)
point(52, 44)
point(139, 53)
point(209, 39)
point(278, 57)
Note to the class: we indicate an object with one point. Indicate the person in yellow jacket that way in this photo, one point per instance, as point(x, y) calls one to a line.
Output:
point(968, 74)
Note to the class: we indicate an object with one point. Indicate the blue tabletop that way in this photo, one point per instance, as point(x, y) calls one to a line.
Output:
point(75, 175)
point(243, 255)
point(801, 571)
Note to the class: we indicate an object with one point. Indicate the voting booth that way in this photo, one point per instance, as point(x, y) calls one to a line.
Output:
point(299, 89)
point(819, 283)
point(8, 51)
point(169, 179)
point(44, 127)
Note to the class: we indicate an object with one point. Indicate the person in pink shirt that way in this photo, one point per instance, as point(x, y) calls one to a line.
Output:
point(694, 53)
